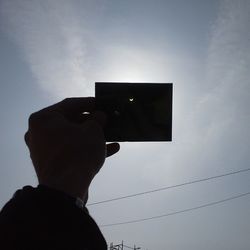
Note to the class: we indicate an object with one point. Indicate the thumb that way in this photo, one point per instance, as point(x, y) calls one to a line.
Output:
point(112, 148)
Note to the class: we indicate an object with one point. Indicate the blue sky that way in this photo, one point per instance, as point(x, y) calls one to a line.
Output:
point(54, 49)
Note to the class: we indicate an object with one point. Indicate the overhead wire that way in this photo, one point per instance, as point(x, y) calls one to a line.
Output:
point(128, 247)
point(177, 212)
point(168, 187)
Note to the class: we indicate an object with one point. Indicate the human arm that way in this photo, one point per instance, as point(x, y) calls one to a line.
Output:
point(67, 148)
point(67, 145)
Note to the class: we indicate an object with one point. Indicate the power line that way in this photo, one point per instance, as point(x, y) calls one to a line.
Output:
point(168, 187)
point(133, 248)
point(177, 212)
point(128, 247)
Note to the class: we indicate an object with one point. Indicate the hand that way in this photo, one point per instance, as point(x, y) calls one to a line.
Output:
point(67, 145)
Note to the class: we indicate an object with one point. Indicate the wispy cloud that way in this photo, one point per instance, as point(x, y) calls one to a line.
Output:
point(55, 38)
point(228, 63)
point(215, 133)
point(51, 35)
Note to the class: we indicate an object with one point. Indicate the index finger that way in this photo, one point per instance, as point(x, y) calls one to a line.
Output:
point(74, 105)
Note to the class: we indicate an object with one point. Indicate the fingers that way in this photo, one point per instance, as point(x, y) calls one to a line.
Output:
point(99, 117)
point(77, 110)
point(74, 105)
point(112, 148)
point(71, 108)
point(26, 138)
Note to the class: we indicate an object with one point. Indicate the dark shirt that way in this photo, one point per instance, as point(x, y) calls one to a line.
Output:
point(44, 218)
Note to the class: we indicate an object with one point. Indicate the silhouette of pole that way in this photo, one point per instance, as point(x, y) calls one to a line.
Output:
point(116, 247)
point(120, 246)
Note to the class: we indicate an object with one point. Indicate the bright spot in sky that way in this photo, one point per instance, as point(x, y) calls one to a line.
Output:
point(127, 64)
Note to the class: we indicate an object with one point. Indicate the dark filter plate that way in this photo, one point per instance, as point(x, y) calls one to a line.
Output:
point(136, 111)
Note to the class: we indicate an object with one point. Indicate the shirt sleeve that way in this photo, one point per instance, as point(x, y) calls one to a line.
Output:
point(44, 218)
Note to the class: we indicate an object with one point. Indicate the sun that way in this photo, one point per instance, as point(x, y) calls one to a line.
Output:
point(124, 64)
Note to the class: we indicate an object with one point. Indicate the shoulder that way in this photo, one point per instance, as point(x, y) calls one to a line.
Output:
point(44, 215)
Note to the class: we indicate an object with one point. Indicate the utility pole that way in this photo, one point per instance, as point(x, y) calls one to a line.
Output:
point(116, 247)
point(121, 246)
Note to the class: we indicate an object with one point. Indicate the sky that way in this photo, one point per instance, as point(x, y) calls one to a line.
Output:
point(54, 49)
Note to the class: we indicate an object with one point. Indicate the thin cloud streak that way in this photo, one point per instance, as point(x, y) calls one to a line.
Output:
point(51, 37)
point(227, 100)
point(215, 134)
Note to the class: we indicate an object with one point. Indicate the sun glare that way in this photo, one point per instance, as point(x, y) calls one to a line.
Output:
point(132, 65)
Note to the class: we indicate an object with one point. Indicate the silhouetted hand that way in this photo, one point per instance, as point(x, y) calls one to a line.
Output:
point(67, 145)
